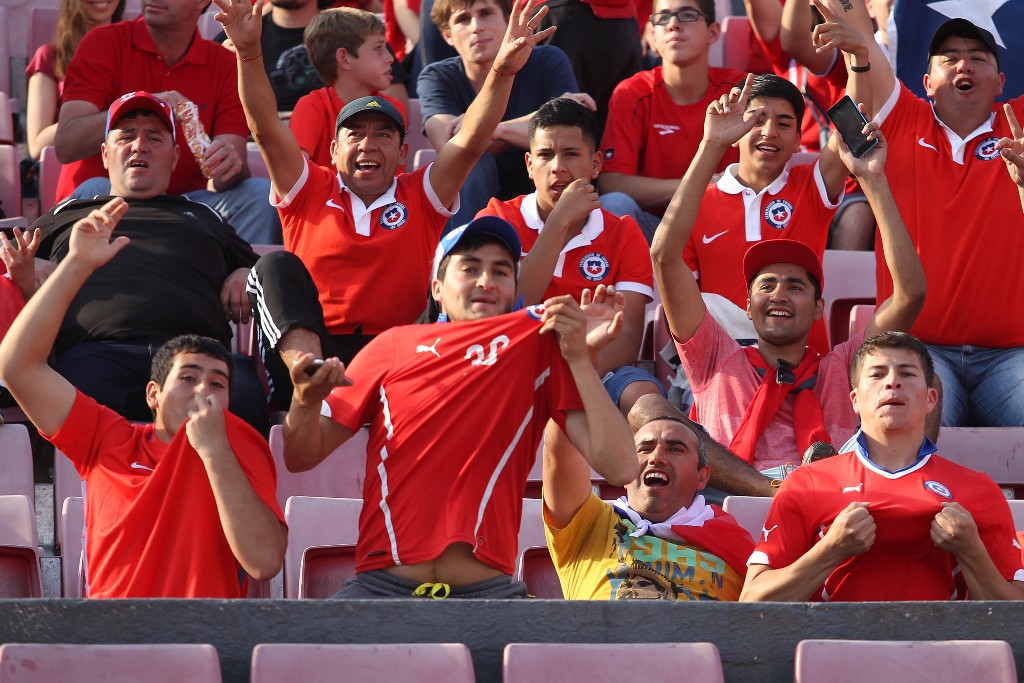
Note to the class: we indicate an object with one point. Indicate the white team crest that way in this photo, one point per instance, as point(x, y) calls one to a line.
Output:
point(986, 149)
point(936, 487)
point(778, 213)
point(594, 266)
point(393, 216)
point(536, 311)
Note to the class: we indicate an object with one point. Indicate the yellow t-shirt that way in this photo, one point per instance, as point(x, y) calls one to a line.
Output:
point(597, 559)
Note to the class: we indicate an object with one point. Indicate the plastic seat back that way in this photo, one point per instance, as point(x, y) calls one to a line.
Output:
point(602, 662)
point(888, 661)
point(20, 576)
point(165, 663)
point(749, 511)
point(316, 522)
point(421, 662)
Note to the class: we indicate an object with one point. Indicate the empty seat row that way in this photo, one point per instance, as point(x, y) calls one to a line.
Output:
point(817, 661)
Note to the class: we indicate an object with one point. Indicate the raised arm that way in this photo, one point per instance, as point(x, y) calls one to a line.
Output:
point(765, 18)
point(899, 311)
point(242, 23)
point(795, 38)
point(598, 432)
point(457, 157)
point(44, 395)
point(955, 531)
point(566, 477)
point(847, 25)
point(725, 123)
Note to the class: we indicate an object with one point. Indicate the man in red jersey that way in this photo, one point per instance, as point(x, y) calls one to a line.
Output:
point(183, 507)
point(365, 236)
point(890, 520)
point(456, 411)
point(963, 216)
point(655, 118)
point(569, 242)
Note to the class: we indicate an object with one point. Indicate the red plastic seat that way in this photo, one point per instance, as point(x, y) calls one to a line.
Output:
point(537, 571)
point(340, 475)
point(319, 523)
point(72, 563)
point(603, 662)
point(166, 663)
point(19, 559)
point(887, 661)
point(421, 662)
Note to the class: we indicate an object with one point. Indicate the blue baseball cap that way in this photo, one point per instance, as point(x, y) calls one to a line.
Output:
point(496, 227)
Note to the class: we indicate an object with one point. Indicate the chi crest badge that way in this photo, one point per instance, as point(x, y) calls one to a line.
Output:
point(536, 311)
point(594, 266)
point(393, 216)
point(778, 213)
point(940, 489)
point(986, 149)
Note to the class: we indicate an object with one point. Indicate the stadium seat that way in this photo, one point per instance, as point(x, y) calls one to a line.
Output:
point(860, 316)
point(49, 174)
point(604, 662)
point(996, 451)
point(536, 569)
point(421, 662)
point(6, 122)
point(735, 43)
point(662, 370)
point(166, 663)
point(72, 524)
point(257, 166)
point(749, 511)
point(5, 53)
point(340, 475)
point(16, 475)
point(319, 523)
point(888, 661)
point(415, 136)
point(20, 576)
point(10, 182)
point(42, 27)
point(66, 484)
point(1017, 510)
point(849, 281)
point(422, 157)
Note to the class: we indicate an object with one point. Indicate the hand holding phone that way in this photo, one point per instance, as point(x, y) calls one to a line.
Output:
point(311, 369)
point(849, 121)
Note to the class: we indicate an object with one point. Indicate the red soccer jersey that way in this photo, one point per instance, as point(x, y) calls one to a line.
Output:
point(314, 123)
point(113, 60)
point(903, 563)
point(609, 250)
point(732, 217)
point(371, 264)
point(456, 412)
point(152, 525)
point(649, 135)
point(964, 215)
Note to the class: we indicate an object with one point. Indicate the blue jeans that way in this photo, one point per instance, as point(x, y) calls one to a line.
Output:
point(981, 387)
point(621, 204)
point(246, 206)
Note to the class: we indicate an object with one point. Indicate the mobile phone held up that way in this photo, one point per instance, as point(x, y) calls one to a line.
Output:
point(848, 120)
point(317, 364)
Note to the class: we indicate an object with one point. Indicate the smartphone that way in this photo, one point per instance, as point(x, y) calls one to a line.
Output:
point(317, 364)
point(849, 122)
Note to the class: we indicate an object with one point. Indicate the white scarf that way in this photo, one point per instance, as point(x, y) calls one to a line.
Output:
point(695, 515)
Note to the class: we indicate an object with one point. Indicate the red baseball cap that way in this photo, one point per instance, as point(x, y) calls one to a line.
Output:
point(781, 251)
point(140, 99)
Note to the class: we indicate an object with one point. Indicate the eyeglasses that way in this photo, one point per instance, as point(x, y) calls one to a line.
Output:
point(684, 15)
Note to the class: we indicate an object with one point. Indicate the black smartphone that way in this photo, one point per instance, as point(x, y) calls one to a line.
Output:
point(317, 364)
point(850, 122)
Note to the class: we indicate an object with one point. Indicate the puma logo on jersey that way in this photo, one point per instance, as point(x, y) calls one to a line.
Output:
point(921, 142)
point(853, 489)
point(422, 348)
point(331, 203)
point(765, 531)
point(709, 239)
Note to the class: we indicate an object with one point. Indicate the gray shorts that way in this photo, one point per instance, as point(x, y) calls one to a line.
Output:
point(383, 584)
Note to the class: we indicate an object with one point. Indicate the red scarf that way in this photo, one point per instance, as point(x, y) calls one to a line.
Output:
point(808, 423)
point(721, 536)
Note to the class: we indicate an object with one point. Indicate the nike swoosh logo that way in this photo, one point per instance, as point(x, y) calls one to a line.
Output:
point(921, 142)
point(139, 466)
point(709, 240)
point(330, 203)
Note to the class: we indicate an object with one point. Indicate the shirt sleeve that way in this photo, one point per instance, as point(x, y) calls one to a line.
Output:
point(624, 131)
point(43, 62)
point(257, 462)
point(785, 536)
point(229, 117)
point(88, 427)
point(704, 353)
point(636, 274)
point(352, 406)
point(90, 76)
point(306, 123)
point(995, 526)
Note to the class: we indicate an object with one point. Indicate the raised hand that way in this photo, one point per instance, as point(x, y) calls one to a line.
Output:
point(205, 427)
point(574, 205)
point(1012, 149)
point(727, 119)
point(19, 257)
point(520, 38)
point(872, 163)
point(243, 24)
point(604, 309)
point(91, 242)
point(312, 389)
point(564, 317)
point(836, 34)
